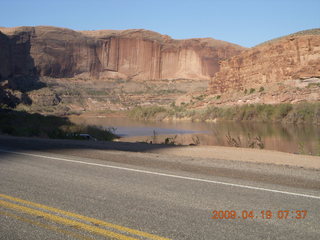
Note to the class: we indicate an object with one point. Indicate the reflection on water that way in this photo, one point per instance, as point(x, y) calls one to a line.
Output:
point(127, 131)
point(287, 138)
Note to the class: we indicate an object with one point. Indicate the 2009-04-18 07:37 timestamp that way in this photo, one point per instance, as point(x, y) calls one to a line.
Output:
point(263, 214)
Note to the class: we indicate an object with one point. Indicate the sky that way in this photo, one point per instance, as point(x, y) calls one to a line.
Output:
point(243, 22)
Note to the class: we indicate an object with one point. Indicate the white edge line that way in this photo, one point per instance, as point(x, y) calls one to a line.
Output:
point(165, 174)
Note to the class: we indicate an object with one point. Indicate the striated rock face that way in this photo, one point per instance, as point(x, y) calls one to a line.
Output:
point(131, 54)
point(296, 56)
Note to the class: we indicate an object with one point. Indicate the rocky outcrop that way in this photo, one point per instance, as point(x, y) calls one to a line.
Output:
point(131, 54)
point(16, 69)
point(296, 56)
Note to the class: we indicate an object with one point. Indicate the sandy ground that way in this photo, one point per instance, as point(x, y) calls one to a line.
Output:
point(232, 153)
point(244, 155)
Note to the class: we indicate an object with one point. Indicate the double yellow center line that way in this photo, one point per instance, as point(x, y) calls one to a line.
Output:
point(78, 221)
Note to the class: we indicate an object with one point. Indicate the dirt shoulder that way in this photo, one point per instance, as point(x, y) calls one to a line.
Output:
point(245, 155)
point(201, 155)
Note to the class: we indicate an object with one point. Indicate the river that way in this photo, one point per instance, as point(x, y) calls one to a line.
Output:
point(301, 139)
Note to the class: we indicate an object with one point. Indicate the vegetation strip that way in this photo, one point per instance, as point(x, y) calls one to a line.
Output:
point(285, 113)
point(82, 225)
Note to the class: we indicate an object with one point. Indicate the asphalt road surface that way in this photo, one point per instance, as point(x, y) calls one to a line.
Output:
point(46, 195)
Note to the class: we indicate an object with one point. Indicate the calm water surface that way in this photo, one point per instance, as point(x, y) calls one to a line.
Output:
point(303, 139)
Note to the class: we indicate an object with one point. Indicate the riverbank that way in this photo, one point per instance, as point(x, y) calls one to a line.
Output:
point(300, 139)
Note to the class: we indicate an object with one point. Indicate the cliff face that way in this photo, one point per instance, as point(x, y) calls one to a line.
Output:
point(131, 54)
point(14, 55)
point(296, 56)
point(4, 55)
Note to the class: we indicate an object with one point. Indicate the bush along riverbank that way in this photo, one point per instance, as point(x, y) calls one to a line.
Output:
point(35, 125)
point(285, 113)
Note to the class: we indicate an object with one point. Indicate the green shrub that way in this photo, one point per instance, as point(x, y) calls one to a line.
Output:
point(146, 113)
point(282, 111)
point(305, 112)
point(313, 85)
point(200, 97)
point(252, 90)
point(265, 112)
point(211, 113)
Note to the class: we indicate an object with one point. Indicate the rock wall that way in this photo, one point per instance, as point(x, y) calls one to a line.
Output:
point(130, 54)
point(15, 59)
point(5, 56)
point(296, 56)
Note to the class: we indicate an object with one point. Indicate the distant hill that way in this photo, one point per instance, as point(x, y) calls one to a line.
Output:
point(314, 31)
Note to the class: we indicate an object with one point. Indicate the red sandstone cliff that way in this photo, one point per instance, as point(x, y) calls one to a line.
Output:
point(130, 54)
point(292, 57)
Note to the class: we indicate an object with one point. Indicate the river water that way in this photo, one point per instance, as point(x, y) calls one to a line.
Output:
point(302, 139)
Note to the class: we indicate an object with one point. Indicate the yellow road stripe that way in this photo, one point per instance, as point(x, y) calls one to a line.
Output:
point(65, 221)
point(49, 227)
point(88, 219)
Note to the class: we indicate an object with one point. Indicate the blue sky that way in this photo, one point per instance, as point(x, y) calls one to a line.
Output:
point(244, 22)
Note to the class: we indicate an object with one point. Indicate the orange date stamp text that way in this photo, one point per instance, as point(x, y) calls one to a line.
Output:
point(261, 214)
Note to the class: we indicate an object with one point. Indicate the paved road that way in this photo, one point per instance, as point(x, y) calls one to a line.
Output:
point(45, 195)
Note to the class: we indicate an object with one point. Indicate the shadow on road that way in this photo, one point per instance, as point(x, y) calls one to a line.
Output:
point(38, 144)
